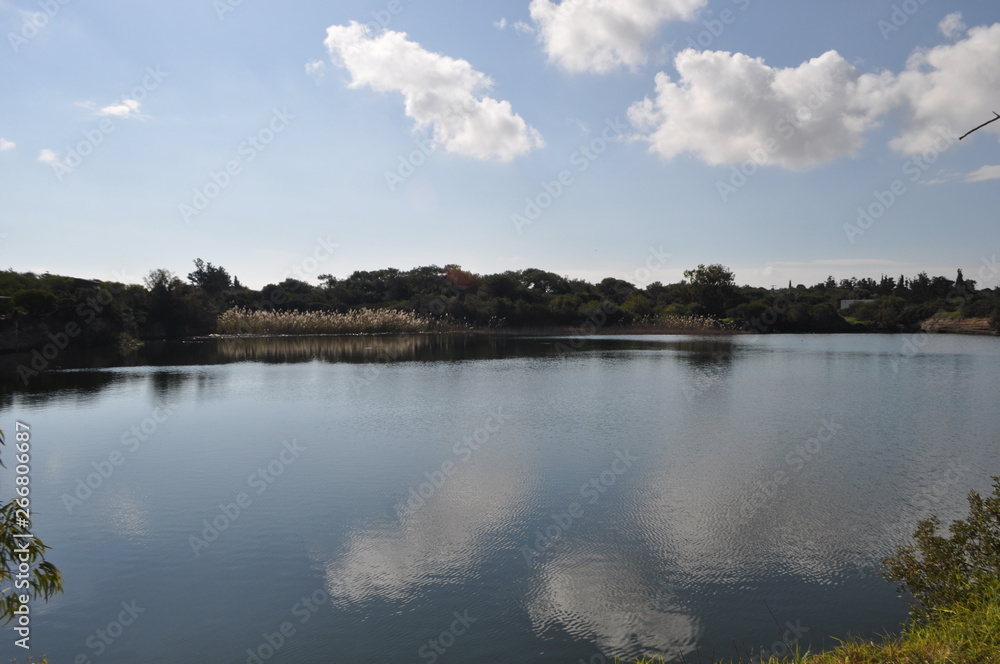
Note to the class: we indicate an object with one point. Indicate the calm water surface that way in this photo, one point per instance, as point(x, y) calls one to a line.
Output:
point(492, 500)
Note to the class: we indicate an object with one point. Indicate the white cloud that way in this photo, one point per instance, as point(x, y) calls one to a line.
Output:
point(729, 108)
point(523, 28)
point(601, 35)
point(126, 108)
point(501, 24)
point(441, 93)
point(6, 145)
point(315, 68)
point(985, 173)
point(950, 89)
point(843, 262)
point(952, 25)
point(725, 108)
point(50, 157)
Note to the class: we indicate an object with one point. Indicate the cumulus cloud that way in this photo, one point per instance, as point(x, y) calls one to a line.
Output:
point(985, 173)
point(729, 108)
point(952, 26)
point(601, 35)
point(501, 24)
point(439, 92)
point(950, 89)
point(6, 145)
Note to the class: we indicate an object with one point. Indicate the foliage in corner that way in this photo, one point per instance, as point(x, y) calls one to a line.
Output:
point(43, 580)
point(940, 572)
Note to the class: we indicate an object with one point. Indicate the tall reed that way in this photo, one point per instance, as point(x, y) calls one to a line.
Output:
point(359, 321)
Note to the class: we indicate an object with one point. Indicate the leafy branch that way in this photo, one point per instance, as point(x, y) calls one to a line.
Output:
point(43, 580)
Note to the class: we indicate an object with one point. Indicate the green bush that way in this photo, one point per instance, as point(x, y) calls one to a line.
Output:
point(37, 303)
point(939, 571)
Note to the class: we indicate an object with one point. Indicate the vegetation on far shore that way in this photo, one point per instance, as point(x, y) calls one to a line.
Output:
point(35, 307)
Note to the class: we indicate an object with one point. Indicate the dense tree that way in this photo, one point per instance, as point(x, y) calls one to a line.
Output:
point(711, 286)
point(36, 302)
point(165, 306)
point(211, 279)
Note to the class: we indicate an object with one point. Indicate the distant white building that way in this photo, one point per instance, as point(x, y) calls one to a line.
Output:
point(846, 303)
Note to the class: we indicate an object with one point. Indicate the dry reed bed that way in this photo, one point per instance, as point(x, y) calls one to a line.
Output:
point(359, 321)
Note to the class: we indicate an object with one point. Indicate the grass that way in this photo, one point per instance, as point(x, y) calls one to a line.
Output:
point(965, 634)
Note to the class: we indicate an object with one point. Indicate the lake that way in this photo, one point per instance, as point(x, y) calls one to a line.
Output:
point(489, 499)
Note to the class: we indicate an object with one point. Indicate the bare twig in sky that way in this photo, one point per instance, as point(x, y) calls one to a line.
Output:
point(982, 125)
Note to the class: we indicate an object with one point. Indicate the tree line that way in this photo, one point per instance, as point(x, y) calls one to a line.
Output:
point(166, 306)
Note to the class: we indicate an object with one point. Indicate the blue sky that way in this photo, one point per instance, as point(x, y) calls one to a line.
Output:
point(592, 138)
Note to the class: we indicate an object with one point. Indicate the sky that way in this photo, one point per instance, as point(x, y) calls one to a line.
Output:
point(632, 139)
